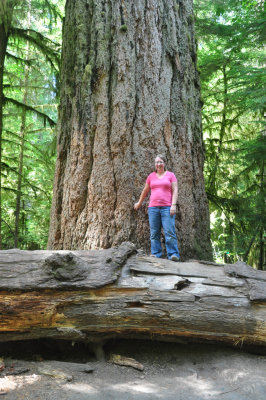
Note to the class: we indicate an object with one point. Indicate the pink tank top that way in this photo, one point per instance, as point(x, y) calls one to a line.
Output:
point(161, 189)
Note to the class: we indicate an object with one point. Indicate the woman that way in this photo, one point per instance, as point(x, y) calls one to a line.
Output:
point(162, 209)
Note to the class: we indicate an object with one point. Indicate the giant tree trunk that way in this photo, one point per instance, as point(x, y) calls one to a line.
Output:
point(130, 90)
point(101, 294)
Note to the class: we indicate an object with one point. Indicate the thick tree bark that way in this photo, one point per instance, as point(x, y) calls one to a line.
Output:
point(101, 294)
point(130, 90)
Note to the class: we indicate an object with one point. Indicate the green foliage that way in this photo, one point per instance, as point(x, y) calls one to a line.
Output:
point(123, 28)
point(231, 34)
point(30, 94)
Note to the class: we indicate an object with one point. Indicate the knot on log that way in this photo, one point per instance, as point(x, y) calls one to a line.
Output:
point(182, 284)
point(121, 254)
point(66, 267)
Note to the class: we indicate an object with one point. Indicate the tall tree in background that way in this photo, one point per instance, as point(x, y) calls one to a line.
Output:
point(231, 36)
point(130, 90)
point(24, 47)
point(22, 138)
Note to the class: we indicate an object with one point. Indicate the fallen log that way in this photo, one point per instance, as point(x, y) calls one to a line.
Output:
point(96, 295)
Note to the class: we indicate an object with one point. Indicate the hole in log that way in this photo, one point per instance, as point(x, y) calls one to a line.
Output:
point(80, 352)
point(182, 284)
point(48, 349)
point(135, 304)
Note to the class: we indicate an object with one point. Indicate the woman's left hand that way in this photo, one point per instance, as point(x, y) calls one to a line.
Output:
point(173, 210)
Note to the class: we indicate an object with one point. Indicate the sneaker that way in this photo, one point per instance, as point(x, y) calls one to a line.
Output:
point(174, 258)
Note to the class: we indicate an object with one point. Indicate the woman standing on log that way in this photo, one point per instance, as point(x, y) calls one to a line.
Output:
point(162, 209)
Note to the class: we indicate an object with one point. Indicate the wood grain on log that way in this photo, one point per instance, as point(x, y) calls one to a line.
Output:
point(94, 295)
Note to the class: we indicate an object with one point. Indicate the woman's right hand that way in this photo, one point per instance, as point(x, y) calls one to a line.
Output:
point(143, 195)
point(137, 205)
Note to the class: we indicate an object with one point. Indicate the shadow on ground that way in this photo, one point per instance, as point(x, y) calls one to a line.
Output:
point(64, 370)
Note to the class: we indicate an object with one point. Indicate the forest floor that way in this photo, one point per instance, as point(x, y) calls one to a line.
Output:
point(171, 372)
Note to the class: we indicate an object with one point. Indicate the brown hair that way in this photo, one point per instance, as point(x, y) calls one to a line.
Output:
point(163, 158)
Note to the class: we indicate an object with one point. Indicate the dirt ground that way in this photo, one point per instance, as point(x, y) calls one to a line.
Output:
point(171, 371)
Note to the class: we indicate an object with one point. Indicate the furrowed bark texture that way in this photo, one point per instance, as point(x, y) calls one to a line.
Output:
point(100, 294)
point(130, 90)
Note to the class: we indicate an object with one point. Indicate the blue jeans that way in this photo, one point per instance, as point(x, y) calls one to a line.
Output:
point(160, 217)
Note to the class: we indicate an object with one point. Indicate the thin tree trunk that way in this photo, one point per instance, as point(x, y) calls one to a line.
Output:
point(229, 258)
point(261, 257)
point(245, 258)
point(20, 171)
point(261, 234)
point(6, 13)
point(130, 90)
point(22, 135)
point(212, 179)
point(3, 45)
